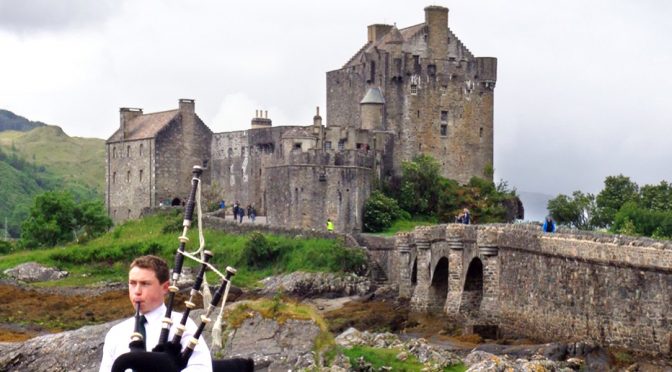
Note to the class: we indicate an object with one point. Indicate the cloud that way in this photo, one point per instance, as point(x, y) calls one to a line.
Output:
point(27, 16)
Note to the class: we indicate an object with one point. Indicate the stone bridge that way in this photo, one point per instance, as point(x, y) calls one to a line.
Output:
point(515, 280)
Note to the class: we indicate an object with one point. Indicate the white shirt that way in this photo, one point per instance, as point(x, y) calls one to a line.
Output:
point(119, 336)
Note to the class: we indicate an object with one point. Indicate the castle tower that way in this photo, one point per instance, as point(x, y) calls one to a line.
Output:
point(438, 97)
point(372, 106)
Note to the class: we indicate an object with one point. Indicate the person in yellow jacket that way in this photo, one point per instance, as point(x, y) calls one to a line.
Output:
point(330, 225)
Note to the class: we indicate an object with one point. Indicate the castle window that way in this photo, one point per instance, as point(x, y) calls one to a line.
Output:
point(242, 151)
point(341, 144)
point(114, 177)
point(129, 213)
point(480, 133)
point(128, 176)
point(128, 151)
point(114, 152)
point(416, 64)
point(414, 89)
point(444, 116)
point(141, 150)
point(114, 213)
point(444, 89)
point(372, 73)
point(205, 163)
point(297, 146)
point(444, 130)
point(327, 145)
point(418, 113)
point(431, 70)
point(229, 152)
point(140, 175)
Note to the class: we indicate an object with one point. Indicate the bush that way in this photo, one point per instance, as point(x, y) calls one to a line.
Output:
point(5, 247)
point(259, 252)
point(380, 212)
point(105, 254)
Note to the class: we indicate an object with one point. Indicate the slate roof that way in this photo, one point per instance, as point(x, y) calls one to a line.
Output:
point(145, 126)
point(373, 95)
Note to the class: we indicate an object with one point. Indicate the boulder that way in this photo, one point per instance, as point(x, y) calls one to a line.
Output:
point(317, 284)
point(273, 346)
point(78, 350)
point(34, 272)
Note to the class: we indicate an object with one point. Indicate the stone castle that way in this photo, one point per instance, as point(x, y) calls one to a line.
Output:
point(406, 92)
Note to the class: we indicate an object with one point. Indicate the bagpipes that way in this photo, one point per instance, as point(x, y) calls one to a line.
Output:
point(168, 356)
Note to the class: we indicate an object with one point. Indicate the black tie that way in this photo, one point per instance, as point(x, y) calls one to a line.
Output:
point(143, 320)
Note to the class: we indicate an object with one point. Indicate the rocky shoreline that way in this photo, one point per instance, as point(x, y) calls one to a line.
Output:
point(356, 313)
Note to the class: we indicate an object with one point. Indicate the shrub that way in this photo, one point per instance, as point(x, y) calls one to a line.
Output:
point(259, 252)
point(380, 212)
point(5, 247)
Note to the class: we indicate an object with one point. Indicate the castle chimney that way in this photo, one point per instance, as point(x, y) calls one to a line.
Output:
point(317, 119)
point(187, 105)
point(436, 20)
point(377, 31)
point(127, 114)
point(259, 121)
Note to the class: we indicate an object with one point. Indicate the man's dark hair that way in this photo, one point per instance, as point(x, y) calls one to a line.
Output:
point(154, 263)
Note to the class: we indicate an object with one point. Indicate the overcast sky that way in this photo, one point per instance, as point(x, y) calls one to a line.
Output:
point(582, 91)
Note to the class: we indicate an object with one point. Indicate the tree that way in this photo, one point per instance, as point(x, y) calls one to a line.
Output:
point(617, 191)
point(420, 185)
point(656, 197)
point(576, 210)
point(55, 218)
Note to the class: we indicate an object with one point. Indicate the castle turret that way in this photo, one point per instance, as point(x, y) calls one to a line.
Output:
point(261, 121)
point(436, 19)
point(372, 109)
point(127, 114)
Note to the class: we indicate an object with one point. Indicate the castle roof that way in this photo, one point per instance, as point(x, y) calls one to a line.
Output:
point(373, 95)
point(145, 126)
point(399, 36)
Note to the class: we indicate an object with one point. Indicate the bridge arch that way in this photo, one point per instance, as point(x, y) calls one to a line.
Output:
point(472, 294)
point(438, 289)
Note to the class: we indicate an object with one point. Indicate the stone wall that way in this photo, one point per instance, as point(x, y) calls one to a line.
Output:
point(612, 290)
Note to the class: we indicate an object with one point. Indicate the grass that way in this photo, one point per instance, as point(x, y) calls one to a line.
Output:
point(407, 225)
point(107, 258)
point(388, 357)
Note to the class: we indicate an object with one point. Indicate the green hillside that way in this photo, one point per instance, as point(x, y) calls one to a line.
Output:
point(41, 159)
point(78, 161)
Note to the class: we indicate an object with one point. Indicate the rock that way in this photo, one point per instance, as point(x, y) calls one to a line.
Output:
point(78, 350)
point(317, 284)
point(277, 347)
point(34, 272)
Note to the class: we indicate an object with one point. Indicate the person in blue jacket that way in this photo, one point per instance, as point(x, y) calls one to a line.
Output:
point(549, 225)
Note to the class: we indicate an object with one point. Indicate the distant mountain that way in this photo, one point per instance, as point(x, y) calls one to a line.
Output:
point(11, 121)
point(535, 205)
point(45, 159)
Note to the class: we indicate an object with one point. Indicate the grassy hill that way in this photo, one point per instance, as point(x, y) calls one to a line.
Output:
point(76, 160)
point(35, 158)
